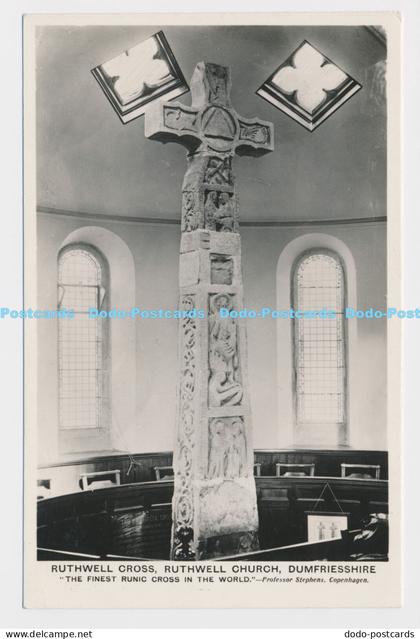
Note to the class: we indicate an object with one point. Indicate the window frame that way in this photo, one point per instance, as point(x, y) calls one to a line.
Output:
point(302, 430)
point(92, 439)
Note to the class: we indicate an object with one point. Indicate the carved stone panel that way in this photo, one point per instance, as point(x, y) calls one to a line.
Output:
point(189, 268)
point(219, 171)
point(258, 133)
point(219, 128)
point(179, 119)
point(225, 387)
point(183, 505)
point(227, 457)
point(230, 544)
point(210, 84)
point(219, 211)
point(221, 269)
point(217, 81)
point(226, 508)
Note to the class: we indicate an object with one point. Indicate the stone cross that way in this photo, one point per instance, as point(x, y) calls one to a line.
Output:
point(214, 505)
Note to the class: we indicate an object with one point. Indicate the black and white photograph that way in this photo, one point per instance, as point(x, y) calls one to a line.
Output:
point(209, 238)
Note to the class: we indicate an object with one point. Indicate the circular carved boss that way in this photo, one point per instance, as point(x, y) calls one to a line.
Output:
point(219, 128)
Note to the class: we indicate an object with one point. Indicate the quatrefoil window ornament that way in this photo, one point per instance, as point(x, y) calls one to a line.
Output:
point(308, 86)
point(140, 75)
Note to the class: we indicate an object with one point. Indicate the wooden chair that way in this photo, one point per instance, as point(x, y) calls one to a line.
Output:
point(103, 479)
point(361, 471)
point(163, 472)
point(295, 470)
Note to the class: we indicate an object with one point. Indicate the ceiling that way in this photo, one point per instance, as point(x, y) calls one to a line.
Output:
point(87, 161)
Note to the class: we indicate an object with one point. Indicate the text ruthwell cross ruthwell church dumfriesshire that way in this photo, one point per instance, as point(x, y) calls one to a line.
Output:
point(214, 505)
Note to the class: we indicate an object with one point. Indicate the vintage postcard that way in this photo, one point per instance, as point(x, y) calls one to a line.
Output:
point(212, 310)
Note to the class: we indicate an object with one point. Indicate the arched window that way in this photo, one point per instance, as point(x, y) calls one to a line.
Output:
point(83, 344)
point(320, 350)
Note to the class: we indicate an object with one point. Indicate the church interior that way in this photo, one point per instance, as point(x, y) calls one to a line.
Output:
point(109, 203)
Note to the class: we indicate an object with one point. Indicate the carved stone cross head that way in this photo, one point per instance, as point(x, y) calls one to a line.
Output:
point(210, 125)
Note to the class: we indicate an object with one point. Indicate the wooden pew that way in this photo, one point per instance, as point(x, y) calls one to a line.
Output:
point(131, 519)
point(135, 519)
point(283, 504)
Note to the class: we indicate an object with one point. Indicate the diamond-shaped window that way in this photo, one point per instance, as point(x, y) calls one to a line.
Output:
point(308, 86)
point(140, 75)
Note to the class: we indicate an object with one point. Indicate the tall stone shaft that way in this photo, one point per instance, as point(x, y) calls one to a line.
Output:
point(214, 504)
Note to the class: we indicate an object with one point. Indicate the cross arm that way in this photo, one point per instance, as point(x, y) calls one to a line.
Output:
point(256, 137)
point(173, 122)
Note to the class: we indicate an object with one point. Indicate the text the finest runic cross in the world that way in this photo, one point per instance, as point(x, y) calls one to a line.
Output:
point(214, 504)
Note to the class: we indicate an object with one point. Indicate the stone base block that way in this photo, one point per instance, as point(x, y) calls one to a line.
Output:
point(226, 545)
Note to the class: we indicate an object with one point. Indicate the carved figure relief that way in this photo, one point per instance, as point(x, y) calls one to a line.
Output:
point(216, 81)
point(219, 171)
point(225, 388)
point(217, 449)
point(221, 269)
point(176, 118)
point(219, 211)
point(236, 453)
point(227, 458)
point(223, 391)
point(190, 213)
point(183, 512)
